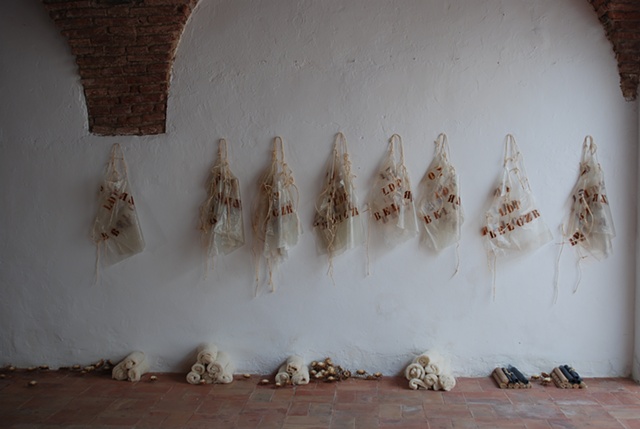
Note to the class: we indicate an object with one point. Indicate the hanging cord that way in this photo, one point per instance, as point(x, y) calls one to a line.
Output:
point(328, 215)
point(442, 149)
point(588, 153)
point(581, 257)
point(220, 186)
point(513, 161)
point(556, 276)
point(265, 193)
point(492, 262)
point(589, 149)
point(457, 260)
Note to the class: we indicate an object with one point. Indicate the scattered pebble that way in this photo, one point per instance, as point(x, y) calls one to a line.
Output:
point(246, 375)
point(33, 383)
point(264, 381)
point(3, 376)
point(153, 378)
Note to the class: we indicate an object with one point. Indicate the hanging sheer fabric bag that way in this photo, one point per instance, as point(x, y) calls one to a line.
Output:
point(116, 230)
point(221, 222)
point(337, 221)
point(590, 225)
point(439, 207)
point(276, 225)
point(513, 223)
point(392, 208)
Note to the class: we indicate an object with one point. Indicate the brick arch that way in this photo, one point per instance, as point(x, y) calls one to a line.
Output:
point(621, 22)
point(124, 50)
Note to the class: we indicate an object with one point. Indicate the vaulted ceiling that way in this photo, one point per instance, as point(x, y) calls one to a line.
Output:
point(621, 22)
point(125, 49)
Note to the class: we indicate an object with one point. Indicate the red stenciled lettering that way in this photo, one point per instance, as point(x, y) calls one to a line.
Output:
point(432, 174)
point(439, 213)
point(576, 238)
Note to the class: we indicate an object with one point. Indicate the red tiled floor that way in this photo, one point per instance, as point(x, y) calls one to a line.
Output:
point(66, 399)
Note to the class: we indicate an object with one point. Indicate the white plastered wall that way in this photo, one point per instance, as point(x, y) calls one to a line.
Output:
point(248, 71)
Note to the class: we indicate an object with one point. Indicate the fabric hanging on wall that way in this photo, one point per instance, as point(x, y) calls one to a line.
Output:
point(392, 207)
point(221, 221)
point(275, 216)
point(590, 224)
point(439, 207)
point(337, 221)
point(116, 230)
point(513, 223)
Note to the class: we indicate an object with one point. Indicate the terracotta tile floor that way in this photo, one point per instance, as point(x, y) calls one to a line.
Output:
point(63, 399)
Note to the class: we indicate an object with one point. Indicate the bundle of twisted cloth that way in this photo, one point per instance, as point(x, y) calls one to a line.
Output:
point(131, 368)
point(565, 377)
point(212, 366)
point(293, 371)
point(430, 371)
point(510, 378)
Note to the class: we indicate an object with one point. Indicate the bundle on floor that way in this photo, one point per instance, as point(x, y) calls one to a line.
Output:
point(207, 353)
point(430, 370)
point(131, 368)
point(293, 371)
point(565, 377)
point(212, 366)
point(510, 378)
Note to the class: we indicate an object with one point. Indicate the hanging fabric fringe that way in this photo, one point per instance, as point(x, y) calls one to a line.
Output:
point(275, 216)
point(337, 221)
point(221, 221)
point(116, 231)
point(589, 227)
point(513, 223)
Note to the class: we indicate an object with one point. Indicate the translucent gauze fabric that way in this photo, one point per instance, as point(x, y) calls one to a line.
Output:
point(439, 208)
point(221, 220)
point(337, 221)
point(275, 220)
point(590, 225)
point(392, 207)
point(513, 222)
point(116, 229)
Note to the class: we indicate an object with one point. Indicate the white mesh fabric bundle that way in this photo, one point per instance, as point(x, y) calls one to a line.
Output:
point(276, 225)
point(514, 223)
point(116, 229)
point(590, 225)
point(439, 207)
point(221, 220)
point(392, 207)
point(337, 221)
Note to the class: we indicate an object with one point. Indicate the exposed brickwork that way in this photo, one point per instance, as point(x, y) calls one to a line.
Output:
point(621, 21)
point(124, 50)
